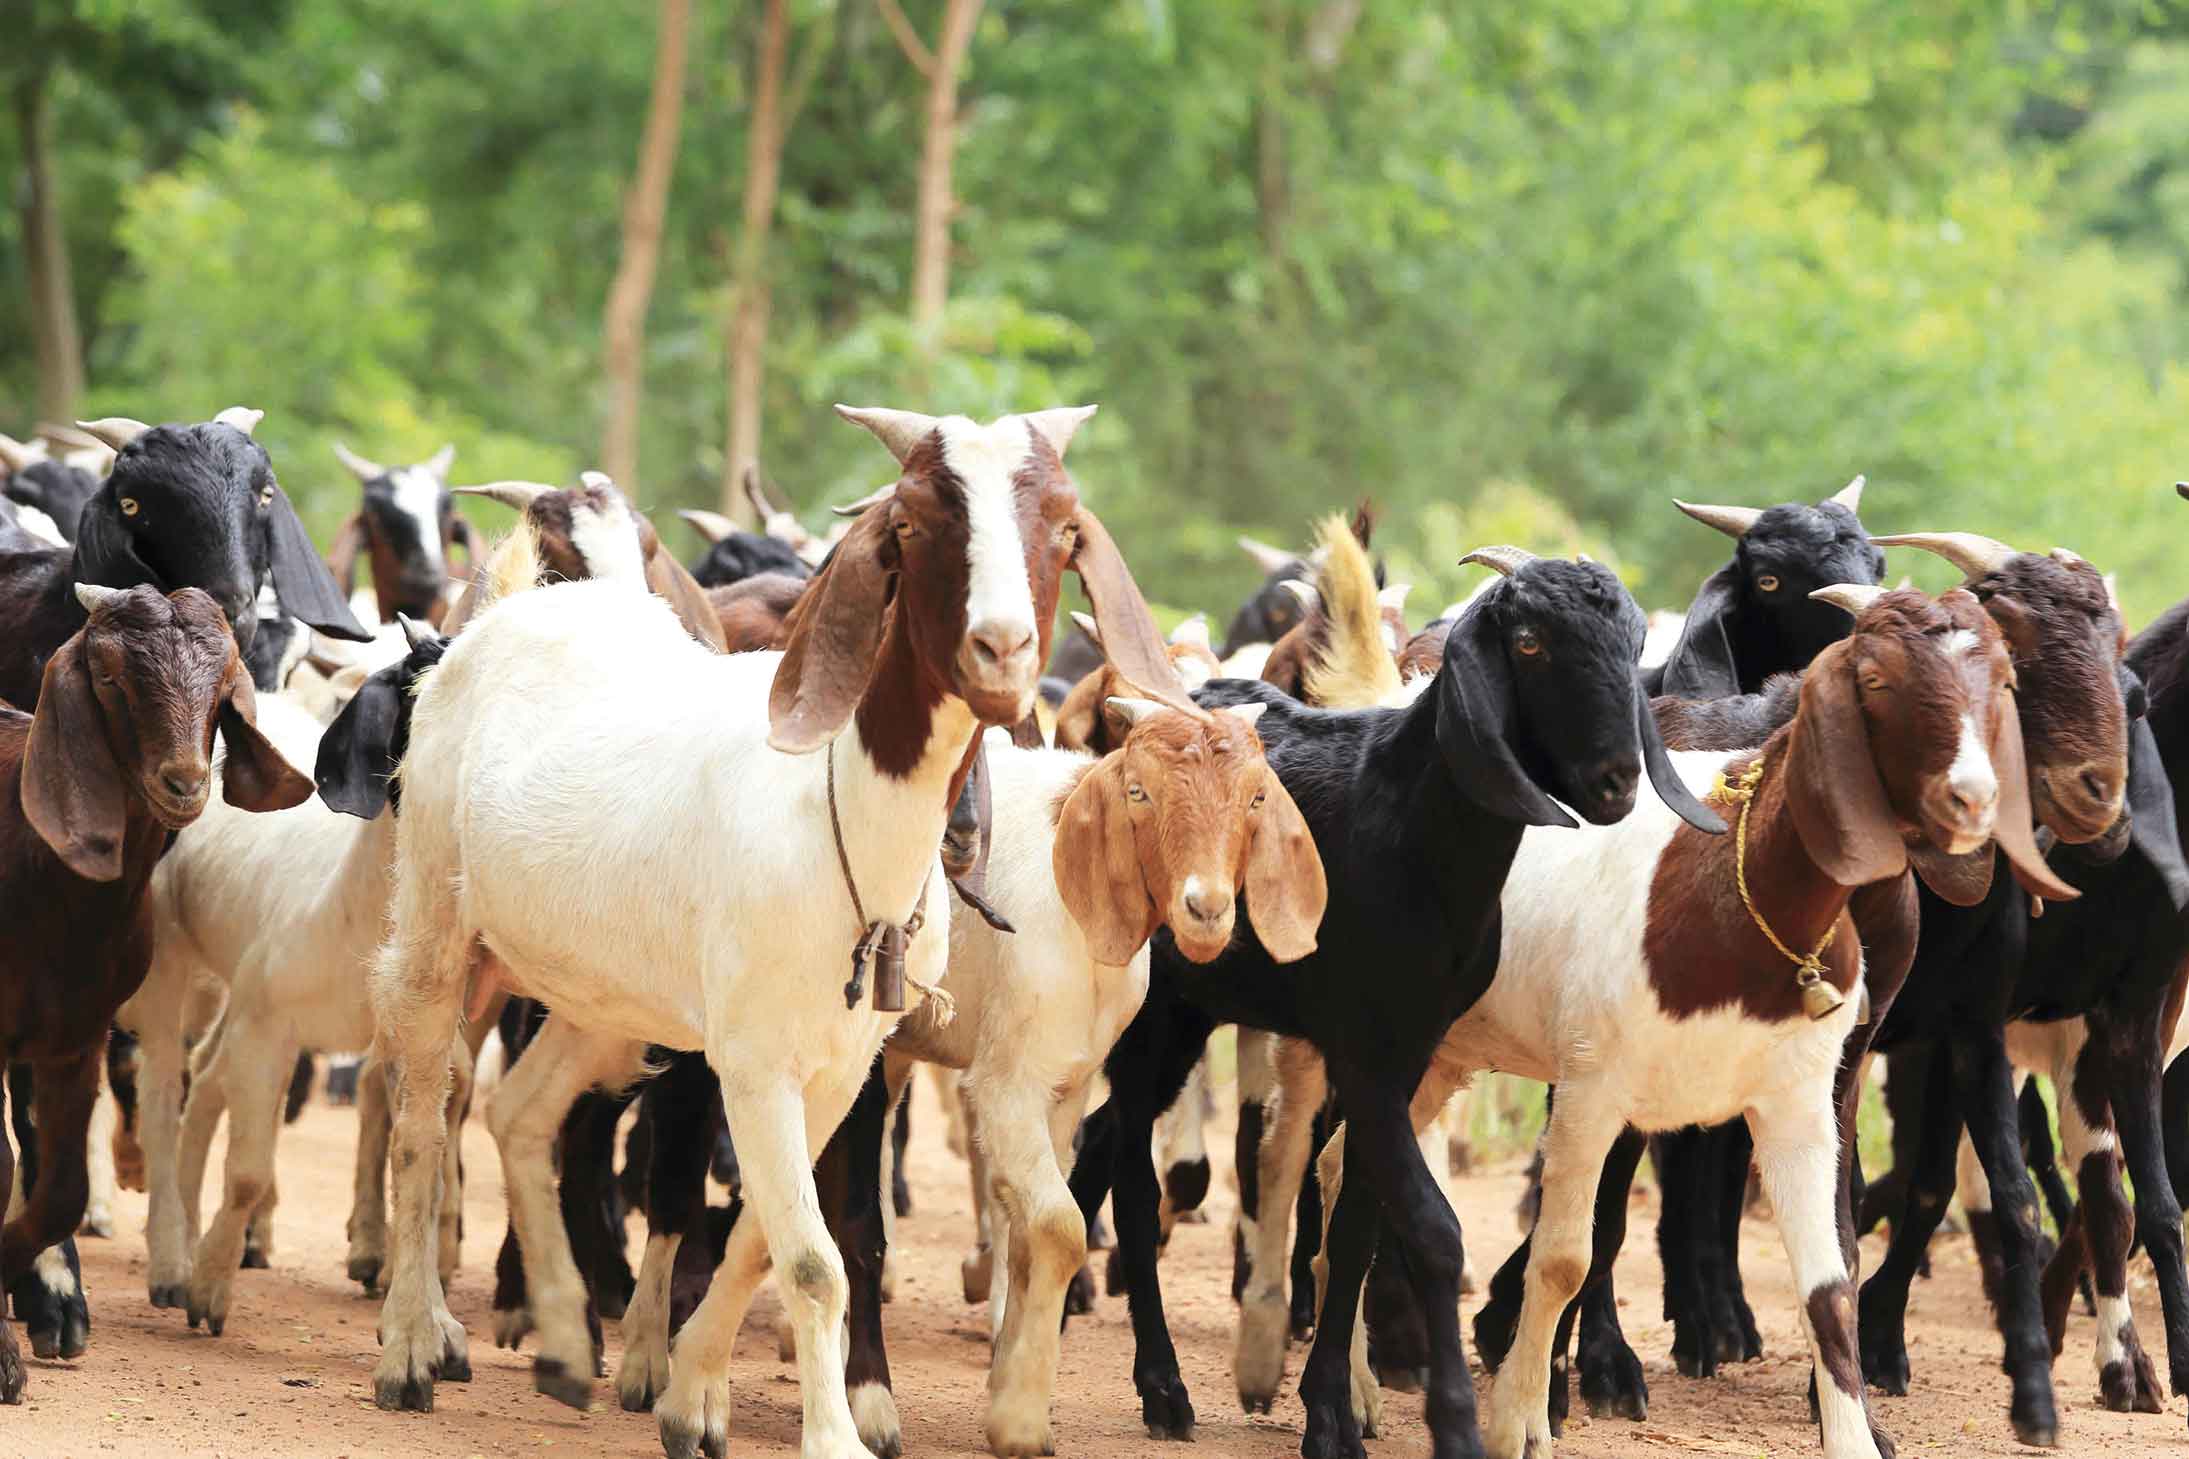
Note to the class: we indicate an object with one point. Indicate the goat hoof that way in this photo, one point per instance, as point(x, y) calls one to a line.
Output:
point(365, 1271)
point(1331, 1433)
point(216, 1325)
point(553, 1377)
point(168, 1294)
point(687, 1441)
point(510, 1326)
point(1165, 1408)
point(12, 1376)
point(1079, 1297)
point(254, 1260)
point(2037, 1436)
point(2149, 1396)
point(46, 1343)
point(98, 1223)
point(1302, 1332)
point(194, 1312)
point(404, 1395)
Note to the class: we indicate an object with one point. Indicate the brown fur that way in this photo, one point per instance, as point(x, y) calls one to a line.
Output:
point(1081, 723)
point(1183, 797)
point(755, 611)
point(1832, 1318)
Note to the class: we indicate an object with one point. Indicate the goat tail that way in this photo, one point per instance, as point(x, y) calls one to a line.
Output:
point(1353, 668)
point(513, 566)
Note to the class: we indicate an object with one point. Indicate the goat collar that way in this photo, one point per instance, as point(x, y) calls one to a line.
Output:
point(1818, 997)
point(889, 973)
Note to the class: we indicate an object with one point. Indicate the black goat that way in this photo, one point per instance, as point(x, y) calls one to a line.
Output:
point(1273, 611)
point(734, 554)
point(1416, 813)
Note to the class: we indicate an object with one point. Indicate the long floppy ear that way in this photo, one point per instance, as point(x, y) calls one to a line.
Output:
point(2152, 827)
point(1963, 880)
point(353, 769)
point(1700, 665)
point(254, 776)
point(105, 553)
point(1832, 786)
point(349, 540)
point(1130, 640)
point(667, 577)
point(2011, 824)
point(1097, 866)
point(1671, 789)
point(1286, 889)
point(301, 580)
point(1475, 712)
point(72, 789)
point(835, 636)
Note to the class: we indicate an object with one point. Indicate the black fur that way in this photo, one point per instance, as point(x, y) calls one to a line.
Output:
point(360, 751)
point(745, 554)
point(55, 488)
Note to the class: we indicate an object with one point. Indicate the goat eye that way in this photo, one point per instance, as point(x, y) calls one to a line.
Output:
point(129, 506)
point(1259, 797)
point(1874, 683)
point(1136, 795)
point(1768, 582)
point(1528, 644)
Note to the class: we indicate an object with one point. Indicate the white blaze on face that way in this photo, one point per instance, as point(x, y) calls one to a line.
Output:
point(985, 459)
point(417, 494)
point(606, 538)
point(1971, 775)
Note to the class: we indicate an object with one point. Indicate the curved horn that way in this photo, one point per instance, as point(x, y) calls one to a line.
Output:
point(1309, 599)
point(757, 494)
point(1732, 521)
point(1505, 560)
point(116, 431)
point(900, 430)
point(1393, 598)
point(18, 455)
point(1059, 425)
point(1250, 711)
point(1854, 597)
point(414, 632)
point(596, 480)
point(1088, 626)
point(440, 461)
point(1274, 559)
point(1850, 495)
point(1131, 711)
point(1973, 554)
point(871, 499)
point(711, 525)
point(240, 417)
point(1194, 631)
point(360, 467)
point(94, 598)
point(518, 494)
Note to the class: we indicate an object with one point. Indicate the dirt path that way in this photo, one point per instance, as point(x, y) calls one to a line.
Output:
point(292, 1376)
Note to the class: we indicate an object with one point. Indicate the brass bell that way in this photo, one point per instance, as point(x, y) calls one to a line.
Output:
point(1818, 998)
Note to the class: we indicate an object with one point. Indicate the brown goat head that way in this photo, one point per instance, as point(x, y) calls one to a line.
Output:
point(1908, 726)
point(126, 717)
point(1172, 826)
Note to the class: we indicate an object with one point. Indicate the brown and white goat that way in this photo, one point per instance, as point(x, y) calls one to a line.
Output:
point(116, 759)
point(405, 527)
point(1906, 731)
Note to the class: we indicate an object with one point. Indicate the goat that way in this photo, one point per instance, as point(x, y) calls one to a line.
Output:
point(1756, 616)
point(1082, 722)
point(1273, 610)
point(26, 529)
point(406, 524)
point(755, 612)
point(203, 504)
point(734, 554)
point(54, 488)
point(93, 785)
point(1411, 808)
point(929, 619)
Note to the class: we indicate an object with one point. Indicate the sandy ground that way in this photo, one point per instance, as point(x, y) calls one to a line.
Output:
point(292, 1375)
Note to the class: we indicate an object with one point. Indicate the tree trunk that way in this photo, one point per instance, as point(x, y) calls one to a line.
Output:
point(750, 293)
point(60, 348)
point(623, 324)
point(931, 241)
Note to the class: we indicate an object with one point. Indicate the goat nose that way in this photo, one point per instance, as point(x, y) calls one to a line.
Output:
point(998, 642)
point(1613, 781)
point(182, 782)
point(2100, 786)
point(1206, 903)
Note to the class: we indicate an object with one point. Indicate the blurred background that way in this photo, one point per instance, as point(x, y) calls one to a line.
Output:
point(1515, 272)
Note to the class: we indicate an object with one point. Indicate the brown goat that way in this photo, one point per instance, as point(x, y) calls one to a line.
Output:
point(117, 757)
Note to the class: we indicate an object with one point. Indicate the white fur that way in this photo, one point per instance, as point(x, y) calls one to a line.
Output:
point(38, 524)
point(985, 458)
point(1662, 637)
point(606, 539)
point(1971, 775)
point(417, 492)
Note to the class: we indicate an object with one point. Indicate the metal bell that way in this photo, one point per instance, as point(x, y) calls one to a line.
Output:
point(1818, 998)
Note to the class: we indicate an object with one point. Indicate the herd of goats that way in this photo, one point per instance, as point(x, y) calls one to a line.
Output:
point(745, 842)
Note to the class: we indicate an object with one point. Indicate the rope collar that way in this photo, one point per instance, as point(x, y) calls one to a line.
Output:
point(885, 942)
point(1818, 997)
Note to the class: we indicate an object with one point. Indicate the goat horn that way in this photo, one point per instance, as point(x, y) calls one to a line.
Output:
point(1132, 711)
point(2113, 590)
point(94, 598)
point(360, 467)
point(1504, 560)
point(2181, 488)
point(1088, 626)
point(1732, 521)
point(517, 494)
point(1850, 495)
point(414, 632)
point(440, 461)
point(1856, 598)
point(871, 499)
point(596, 480)
point(1194, 631)
point(1309, 599)
point(17, 454)
point(900, 430)
point(1973, 554)
point(240, 417)
point(67, 438)
point(1249, 712)
point(116, 431)
point(1393, 598)
point(1058, 426)
point(757, 494)
point(1274, 559)
point(2069, 556)
point(711, 525)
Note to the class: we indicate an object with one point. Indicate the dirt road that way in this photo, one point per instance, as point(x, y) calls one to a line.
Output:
point(292, 1375)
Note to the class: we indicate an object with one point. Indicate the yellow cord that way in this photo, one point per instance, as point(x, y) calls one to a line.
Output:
point(1744, 790)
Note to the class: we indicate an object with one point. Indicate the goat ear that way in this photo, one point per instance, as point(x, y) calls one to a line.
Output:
point(835, 636)
point(72, 790)
point(301, 580)
point(2011, 826)
point(1286, 890)
point(1700, 665)
point(349, 540)
point(1129, 637)
point(1838, 802)
point(352, 770)
point(1671, 789)
point(668, 579)
point(1963, 880)
point(1096, 862)
point(254, 776)
point(1079, 723)
point(1475, 713)
point(2152, 827)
